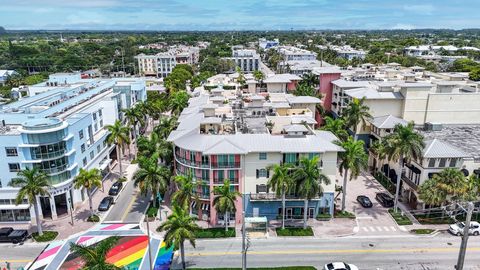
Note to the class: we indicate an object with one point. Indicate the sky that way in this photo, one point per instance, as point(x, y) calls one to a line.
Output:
point(237, 14)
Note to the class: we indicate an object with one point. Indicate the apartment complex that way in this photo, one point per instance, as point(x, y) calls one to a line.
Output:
point(246, 59)
point(59, 129)
point(348, 52)
point(162, 64)
point(223, 135)
point(298, 61)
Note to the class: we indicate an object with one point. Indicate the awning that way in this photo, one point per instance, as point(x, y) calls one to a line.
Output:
point(206, 207)
point(193, 204)
point(415, 170)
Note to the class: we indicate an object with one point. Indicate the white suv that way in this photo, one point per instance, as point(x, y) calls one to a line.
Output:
point(457, 229)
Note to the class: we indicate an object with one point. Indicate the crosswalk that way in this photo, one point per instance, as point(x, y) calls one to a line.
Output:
point(379, 229)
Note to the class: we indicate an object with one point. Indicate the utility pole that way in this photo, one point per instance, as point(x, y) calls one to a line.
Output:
point(244, 236)
point(149, 246)
point(463, 246)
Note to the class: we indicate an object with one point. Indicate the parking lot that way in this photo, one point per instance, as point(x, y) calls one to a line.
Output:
point(370, 221)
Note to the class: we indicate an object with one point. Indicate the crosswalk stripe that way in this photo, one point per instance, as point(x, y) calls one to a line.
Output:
point(364, 229)
point(386, 229)
point(379, 228)
point(393, 228)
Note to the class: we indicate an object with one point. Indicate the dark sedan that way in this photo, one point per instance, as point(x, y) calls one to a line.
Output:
point(105, 203)
point(364, 201)
point(385, 200)
point(115, 189)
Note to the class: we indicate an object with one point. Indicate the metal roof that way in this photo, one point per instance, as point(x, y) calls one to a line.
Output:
point(387, 121)
point(439, 149)
point(370, 93)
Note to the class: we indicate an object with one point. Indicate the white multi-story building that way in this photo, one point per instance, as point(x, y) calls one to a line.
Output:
point(162, 64)
point(291, 53)
point(223, 136)
point(348, 52)
point(246, 59)
point(60, 129)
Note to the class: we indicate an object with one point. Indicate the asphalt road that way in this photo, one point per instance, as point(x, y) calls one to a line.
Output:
point(19, 255)
point(129, 207)
point(412, 253)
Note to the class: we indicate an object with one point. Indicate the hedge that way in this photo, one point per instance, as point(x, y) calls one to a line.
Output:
point(46, 237)
point(399, 217)
point(294, 232)
point(344, 214)
point(215, 233)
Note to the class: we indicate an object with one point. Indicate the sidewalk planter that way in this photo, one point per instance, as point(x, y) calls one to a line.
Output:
point(324, 217)
point(399, 218)
point(93, 218)
point(423, 231)
point(46, 237)
point(294, 232)
point(344, 214)
point(215, 233)
point(434, 219)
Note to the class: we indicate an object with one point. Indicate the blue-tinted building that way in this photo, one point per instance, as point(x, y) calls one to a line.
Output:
point(59, 129)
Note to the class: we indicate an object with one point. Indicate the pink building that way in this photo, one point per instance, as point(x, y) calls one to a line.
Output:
point(326, 76)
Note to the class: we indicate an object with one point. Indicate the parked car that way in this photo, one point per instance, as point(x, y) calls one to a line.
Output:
point(457, 229)
point(105, 203)
point(8, 234)
point(115, 189)
point(384, 199)
point(364, 201)
point(339, 266)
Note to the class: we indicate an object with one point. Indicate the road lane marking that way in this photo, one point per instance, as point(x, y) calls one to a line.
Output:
point(129, 207)
point(16, 260)
point(326, 251)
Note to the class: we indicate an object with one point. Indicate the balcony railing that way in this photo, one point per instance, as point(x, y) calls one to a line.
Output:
point(226, 165)
point(220, 181)
point(274, 197)
point(192, 163)
point(49, 155)
point(409, 182)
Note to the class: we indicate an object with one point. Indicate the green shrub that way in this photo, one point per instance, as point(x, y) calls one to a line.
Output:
point(400, 218)
point(384, 181)
point(152, 211)
point(262, 268)
point(46, 237)
point(344, 214)
point(215, 233)
point(294, 232)
point(422, 231)
point(434, 219)
point(324, 216)
point(122, 179)
point(93, 218)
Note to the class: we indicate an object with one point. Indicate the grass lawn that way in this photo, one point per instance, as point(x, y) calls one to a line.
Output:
point(46, 237)
point(263, 268)
point(294, 232)
point(434, 219)
point(399, 218)
point(215, 233)
point(422, 231)
point(344, 214)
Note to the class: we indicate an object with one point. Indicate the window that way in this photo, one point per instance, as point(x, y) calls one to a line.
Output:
point(443, 161)
point(84, 161)
point(101, 122)
point(11, 151)
point(262, 189)
point(431, 162)
point(453, 162)
point(80, 134)
point(92, 155)
point(262, 156)
point(100, 113)
point(14, 167)
point(82, 147)
point(98, 148)
point(94, 116)
point(262, 173)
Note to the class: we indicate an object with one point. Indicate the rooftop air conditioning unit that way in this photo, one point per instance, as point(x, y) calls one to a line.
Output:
point(429, 126)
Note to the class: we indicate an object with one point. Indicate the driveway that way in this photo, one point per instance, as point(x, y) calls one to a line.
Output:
point(370, 221)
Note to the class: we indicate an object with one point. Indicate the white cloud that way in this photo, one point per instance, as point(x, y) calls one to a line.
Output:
point(403, 26)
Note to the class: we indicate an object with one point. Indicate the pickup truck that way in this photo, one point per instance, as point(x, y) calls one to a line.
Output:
point(8, 234)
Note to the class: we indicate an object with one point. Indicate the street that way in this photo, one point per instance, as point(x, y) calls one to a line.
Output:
point(407, 252)
point(19, 255)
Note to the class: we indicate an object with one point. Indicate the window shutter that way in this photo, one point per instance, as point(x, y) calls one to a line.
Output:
point(256, 187)
point(257, 173)
point(268, 173)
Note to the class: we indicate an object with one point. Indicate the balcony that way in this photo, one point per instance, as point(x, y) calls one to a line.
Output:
point(192, 163)
point(274, 197)
point(409, 182)
point(226, 165)
point(220, 181)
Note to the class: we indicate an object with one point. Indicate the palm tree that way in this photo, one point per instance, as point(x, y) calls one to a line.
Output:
point(151, 177)
point(95, 256)
point(165, 126)
point(337, 127)
point(379, 149)
point(430, 193)
point(32, 183)
point(186, 192)
point(355, 113)
point(224, 201)
point(258, 75)
point(89, 180)
point(453, 182)
point(134, 116)
point(147, 146)
point(178, 101)
point(118, 136)
point(281, 182)
point(353, 160)
point(310, 79)
point(180, 226)
point(403, 143)
point(309, 180)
